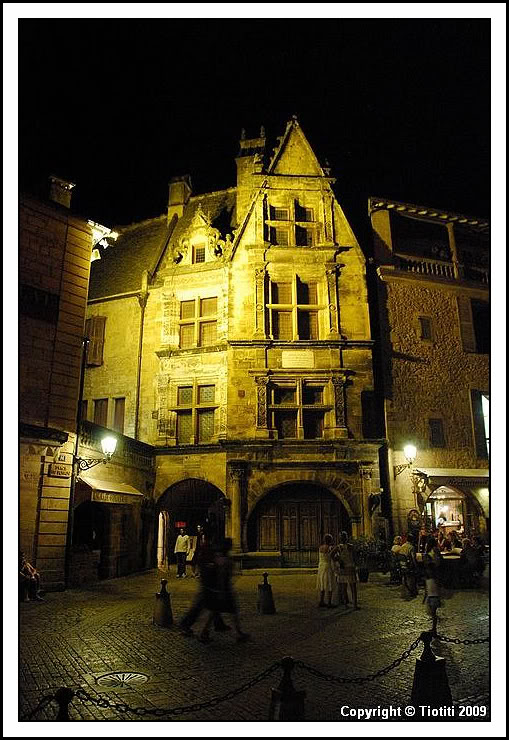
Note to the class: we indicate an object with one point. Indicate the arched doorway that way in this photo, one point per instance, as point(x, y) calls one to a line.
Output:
point(188, 503)
point(293, 519)
point(452, 509)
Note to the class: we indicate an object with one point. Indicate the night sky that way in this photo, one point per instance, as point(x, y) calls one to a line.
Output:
point(399, 107)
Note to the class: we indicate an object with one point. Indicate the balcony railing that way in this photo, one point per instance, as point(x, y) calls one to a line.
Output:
point(445, 270)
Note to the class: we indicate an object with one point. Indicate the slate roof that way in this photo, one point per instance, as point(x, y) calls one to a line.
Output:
point(122, 264)
point(141, 246)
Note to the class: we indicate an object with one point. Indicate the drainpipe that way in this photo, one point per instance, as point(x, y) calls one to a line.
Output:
point(75, 471)
point(142, 300)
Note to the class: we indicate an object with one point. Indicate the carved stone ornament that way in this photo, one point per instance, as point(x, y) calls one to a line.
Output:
point(261, 401)
point(338, 383)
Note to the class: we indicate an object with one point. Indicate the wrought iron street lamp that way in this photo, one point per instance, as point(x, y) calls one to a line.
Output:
point(108, 444)
point(410, 452)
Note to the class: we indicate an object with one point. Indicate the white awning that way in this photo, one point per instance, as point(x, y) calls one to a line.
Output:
point(111, 492)
point(467, 473)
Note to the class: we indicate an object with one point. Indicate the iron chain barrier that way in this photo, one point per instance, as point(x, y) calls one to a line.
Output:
point(360, 679)
point(457, 641)
point(65, 696)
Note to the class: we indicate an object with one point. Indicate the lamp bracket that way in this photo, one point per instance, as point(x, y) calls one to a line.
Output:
point(400, 468)
point(84, 463)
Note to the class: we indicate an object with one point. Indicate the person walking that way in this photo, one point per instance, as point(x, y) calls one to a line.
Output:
point(432, 561)
point(347, 571)
point(207, 570)
point(220, 597)
point(325, 578)
point(182, 547)
point(200, 541)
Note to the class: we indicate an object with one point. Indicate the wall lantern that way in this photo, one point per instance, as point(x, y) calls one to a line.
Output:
point(410, 452)
point(108, 444)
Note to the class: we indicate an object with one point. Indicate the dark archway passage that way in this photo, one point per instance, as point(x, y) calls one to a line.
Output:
point(188, 503)
point(293, 519)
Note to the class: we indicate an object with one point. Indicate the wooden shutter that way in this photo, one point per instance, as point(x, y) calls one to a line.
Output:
point(481, 449)
point(94, 330)
point(466, 324)
point(118, 423)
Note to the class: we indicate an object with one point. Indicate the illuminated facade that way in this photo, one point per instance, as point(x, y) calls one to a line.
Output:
point(434, 322)
point(232, 335)
point(55, 249)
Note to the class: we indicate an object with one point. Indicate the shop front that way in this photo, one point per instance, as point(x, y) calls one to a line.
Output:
point(455, 500)
point(107, 526)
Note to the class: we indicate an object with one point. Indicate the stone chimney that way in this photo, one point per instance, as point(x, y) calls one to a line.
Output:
point(180, 192)
point(60, 190)
point(250, 161)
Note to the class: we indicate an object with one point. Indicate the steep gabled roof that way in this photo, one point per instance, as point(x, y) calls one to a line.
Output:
point(294, 155)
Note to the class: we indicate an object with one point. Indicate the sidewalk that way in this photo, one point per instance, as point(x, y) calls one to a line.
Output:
point(77, 636)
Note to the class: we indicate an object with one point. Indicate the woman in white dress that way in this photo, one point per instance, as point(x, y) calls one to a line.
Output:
point(325, 581)
point(347, 575)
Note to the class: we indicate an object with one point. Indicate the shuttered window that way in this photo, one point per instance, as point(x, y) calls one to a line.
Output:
point(119, 415)
point(94, 330)
point(101, 412)
point(480, 422)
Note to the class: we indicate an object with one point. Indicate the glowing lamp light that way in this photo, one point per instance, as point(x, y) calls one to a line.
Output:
point(109, 445)
point(410, 452)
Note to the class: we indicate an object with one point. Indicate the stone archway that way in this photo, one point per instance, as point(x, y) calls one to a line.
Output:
point(188, 503)
point(292, 519)
point(450, 507)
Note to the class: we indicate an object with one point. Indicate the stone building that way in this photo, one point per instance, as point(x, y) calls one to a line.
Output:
point(232, 335)
point(54, 266)
point(434, 323)
point(64, 510)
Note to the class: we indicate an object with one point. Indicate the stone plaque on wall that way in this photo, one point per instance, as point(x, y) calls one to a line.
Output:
point(59, 470)
point(297, 358)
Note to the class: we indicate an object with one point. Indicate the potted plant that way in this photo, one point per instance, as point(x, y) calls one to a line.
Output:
point(364, 551)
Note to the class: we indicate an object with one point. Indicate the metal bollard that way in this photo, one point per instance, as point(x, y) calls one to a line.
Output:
point(431, 685)
point(162, 608)
point(64, 697)
point(286, 704)
point(265, 603)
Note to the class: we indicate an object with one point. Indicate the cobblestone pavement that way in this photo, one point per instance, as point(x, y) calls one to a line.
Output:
point(76, 636)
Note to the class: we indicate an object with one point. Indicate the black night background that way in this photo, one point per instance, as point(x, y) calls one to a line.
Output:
point(398, 107)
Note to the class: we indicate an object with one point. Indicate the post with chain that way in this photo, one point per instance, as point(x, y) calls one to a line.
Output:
point(287, 704)
point(265, 603)
point(64, 697)
point(162, 608)
point(431, 685)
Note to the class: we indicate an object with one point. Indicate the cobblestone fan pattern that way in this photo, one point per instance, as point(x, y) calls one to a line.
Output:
point(76, 636)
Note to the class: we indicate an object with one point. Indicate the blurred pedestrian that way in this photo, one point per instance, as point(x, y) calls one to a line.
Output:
point(432, 562)
point(207, 569)
point(220, 596)
point(326, 578)
point(182, 547)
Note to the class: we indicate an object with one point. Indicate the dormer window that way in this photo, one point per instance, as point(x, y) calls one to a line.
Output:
point(198, 253)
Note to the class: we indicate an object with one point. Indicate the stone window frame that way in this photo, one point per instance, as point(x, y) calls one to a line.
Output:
point(197, 320)
point(295, 308)
point(300, 229)
point(195, 407)
point(437, 436)
point(419, 325)
point(298, 406)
